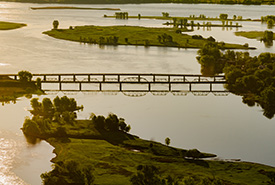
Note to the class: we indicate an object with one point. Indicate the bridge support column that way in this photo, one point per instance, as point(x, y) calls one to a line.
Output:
point(190, 86)
point(89, 78)
point(15, 77)
point(60, 86)
point(170, 87)
point(210, 87)
point(59, 78)
point(74, 78)
point(80, 87)
point(120, 86)
point(149, 87)
point(100, 87)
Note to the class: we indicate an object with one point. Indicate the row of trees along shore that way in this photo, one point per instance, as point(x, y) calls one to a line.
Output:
point(53, 118)
point(251, 77)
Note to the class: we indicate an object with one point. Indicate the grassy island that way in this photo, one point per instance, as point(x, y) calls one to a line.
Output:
point(101, 151)
point(138, 36)
point(252, 34)
point(71, 7)
point(10, 25)
point(11, 89)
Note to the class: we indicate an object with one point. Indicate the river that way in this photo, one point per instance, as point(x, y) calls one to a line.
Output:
point(220, 125)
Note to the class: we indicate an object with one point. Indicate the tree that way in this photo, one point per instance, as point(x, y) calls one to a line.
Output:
point(167, 141)
point(55, 24)
point(25, 76)
point(223, 16)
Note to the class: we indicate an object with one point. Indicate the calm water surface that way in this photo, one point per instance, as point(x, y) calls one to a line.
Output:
point(221, 125)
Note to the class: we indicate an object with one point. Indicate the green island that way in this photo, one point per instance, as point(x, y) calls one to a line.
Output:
point(71, 7)
point(11, 89)
point(101, 151)
point(135, 35)
point(252, 34)
point(264, 36)
point(245, 2)
point(10, 25)
point(251, 77)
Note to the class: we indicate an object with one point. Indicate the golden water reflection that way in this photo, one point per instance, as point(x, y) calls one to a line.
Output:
point(9, 148)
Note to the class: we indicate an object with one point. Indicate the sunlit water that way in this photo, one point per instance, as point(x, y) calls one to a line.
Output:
point(221, 125)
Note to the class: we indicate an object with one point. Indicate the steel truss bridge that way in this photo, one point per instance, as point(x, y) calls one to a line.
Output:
point(132, 84)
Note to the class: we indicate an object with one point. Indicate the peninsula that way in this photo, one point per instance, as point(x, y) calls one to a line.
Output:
point(101, 151)
point(10, 25)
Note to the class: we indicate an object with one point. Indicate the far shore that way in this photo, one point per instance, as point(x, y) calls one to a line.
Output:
point(71, 7)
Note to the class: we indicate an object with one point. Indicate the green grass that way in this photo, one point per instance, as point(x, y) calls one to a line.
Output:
point(252, 34)
point(10, 25)
point(115, 156)
point(140, 36)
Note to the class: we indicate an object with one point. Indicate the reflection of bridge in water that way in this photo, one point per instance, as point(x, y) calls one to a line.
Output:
point(133, 84)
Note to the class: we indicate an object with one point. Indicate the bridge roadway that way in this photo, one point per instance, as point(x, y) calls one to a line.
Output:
point(122, 81)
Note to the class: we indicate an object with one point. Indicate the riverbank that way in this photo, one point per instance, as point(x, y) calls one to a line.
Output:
point(11, 89)
point(10, 25)
point(137, 36)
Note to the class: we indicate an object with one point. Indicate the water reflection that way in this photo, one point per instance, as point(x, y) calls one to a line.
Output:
point(9, 149)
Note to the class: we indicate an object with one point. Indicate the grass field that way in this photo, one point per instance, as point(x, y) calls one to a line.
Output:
point(134, 35)
point(115, 156)
point(10, 25)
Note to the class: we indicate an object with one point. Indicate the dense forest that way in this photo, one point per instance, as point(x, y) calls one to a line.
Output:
point(248, 2)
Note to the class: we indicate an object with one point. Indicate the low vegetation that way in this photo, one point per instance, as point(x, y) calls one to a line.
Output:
point(251, 77)
point(10, 25)
point(134, 35)
point(101, 151)
point(11, 89)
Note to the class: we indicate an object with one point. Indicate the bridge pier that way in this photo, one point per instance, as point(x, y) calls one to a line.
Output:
point(190, 87)
point(100, 87)
point(120, 86)
point(80, 86)
point(60, 85)
point(210, 87)
point(149, 87)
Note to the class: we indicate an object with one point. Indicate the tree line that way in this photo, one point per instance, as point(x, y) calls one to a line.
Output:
point(252, 77)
